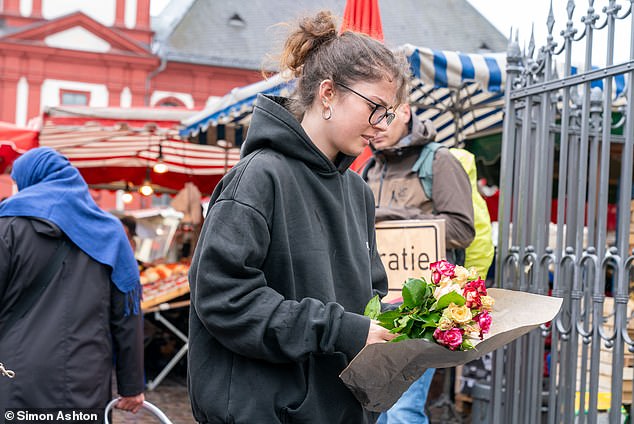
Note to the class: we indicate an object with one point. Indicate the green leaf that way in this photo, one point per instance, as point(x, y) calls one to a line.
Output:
point(431, 320)
point(428, 335)
point(373, 308)
point(388, 318)
point(444, 301)
point(413, 292)
point(466, 344)
point(402, 323)
point(400, 338)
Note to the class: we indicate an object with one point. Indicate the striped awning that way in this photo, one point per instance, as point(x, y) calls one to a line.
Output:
point(122, 145)
point(461, 93)
point(234, 109)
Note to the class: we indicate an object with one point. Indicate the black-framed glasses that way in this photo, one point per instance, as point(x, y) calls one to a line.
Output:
point(379, 113)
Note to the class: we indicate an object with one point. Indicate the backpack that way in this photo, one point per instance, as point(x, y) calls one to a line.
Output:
point(423, 166)
point(479, 253)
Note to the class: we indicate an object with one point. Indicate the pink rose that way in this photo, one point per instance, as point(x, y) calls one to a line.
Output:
point(450, 338)
point(440, 269)
point(484, 321)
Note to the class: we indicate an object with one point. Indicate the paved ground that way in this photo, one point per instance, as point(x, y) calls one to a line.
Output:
point(171, 397)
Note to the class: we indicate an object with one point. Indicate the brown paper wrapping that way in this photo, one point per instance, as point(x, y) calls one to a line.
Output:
point(381, 372)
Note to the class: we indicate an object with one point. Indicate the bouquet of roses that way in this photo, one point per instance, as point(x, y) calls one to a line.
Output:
point(452, 310)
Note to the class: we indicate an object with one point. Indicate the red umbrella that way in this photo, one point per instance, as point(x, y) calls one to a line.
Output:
point(14, 141)
point(363, 16)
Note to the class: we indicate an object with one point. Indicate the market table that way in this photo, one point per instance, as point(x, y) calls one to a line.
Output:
point(160, 296)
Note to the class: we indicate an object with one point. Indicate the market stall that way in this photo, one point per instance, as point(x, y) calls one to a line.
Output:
point(159, 248)
point(121, 147)
point(14, 141)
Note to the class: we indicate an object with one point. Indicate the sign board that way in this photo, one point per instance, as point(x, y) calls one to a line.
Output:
point(407, 248)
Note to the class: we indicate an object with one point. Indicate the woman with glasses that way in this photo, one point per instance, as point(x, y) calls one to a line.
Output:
point(287, 261)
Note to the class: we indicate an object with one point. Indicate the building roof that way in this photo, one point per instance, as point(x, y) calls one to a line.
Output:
point(242, 33)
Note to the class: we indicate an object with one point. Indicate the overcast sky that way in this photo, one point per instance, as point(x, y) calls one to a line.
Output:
point(521, 14)
point(156, 6)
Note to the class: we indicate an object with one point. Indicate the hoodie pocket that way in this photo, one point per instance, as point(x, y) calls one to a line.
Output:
point(327, 399)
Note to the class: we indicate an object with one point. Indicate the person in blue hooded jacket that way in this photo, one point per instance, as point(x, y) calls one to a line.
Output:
point(287, 261)
point(63, 346)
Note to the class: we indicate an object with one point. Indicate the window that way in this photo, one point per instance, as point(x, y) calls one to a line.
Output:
point(170, 102)
point(74, 98)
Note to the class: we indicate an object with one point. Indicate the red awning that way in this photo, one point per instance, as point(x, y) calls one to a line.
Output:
point(119, 146)
point(14, 141)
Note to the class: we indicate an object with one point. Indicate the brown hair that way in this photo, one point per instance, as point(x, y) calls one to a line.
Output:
point(315, 51)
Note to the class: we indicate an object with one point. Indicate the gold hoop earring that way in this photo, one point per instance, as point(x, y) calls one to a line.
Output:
point(327, 113)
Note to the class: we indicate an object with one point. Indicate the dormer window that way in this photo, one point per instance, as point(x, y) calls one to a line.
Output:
point(236, 21)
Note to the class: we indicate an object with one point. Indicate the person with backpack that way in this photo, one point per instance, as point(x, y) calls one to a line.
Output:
point(412, 177)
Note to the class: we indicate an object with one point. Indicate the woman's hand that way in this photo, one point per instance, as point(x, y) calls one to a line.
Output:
point(378, 334)
point(131, 403)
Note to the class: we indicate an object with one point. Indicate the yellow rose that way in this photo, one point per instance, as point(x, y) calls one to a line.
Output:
point(445, 323)
point(487, 302)
point(461, 275)
point(460, 314)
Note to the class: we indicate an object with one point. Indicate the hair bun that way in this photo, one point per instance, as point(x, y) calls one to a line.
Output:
point(312, 32)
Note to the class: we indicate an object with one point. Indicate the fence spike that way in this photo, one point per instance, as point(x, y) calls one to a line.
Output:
point(550, 22)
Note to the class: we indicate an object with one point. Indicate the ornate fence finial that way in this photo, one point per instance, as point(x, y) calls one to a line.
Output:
point(570, 8)
point(550, 22)
point(531, 43)
point(514, 61)
point(590, 18)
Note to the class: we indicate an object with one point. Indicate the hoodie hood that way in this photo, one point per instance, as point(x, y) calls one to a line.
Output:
point(273, 126)
point(422, 132)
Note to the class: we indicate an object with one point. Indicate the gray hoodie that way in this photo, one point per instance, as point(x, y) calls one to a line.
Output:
point(282, 272)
